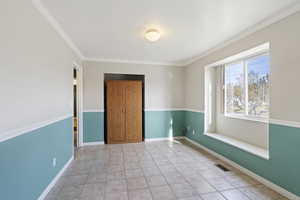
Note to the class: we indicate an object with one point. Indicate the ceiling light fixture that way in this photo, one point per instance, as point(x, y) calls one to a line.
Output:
point(152, 35)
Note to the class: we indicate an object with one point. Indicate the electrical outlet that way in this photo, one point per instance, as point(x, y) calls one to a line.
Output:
point(54, 162)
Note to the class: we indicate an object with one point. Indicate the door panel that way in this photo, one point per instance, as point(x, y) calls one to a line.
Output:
point(115, 112)
point(124, 111)
point(133, 98)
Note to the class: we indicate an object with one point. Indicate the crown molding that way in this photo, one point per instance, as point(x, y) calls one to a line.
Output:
point(283, 13)
point(132, 62)
point(52, 21)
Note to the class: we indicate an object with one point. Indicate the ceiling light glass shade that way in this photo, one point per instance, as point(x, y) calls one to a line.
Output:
point(152, 35)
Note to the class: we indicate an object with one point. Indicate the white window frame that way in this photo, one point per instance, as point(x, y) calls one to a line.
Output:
point(244, 116)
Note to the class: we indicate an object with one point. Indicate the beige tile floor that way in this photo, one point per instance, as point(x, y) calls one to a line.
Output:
point(157, 170)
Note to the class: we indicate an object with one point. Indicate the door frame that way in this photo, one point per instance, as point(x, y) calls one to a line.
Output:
point(124, 77)
point(79, 94)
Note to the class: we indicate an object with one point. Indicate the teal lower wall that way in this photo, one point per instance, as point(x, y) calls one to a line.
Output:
point(26, 160)
point(283, 167)
point(93, 127)
point(158, 124)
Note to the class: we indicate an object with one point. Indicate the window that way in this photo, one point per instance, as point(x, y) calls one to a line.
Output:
point(247, 87)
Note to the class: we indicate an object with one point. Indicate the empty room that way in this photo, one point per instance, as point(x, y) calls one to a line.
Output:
point(150, 100)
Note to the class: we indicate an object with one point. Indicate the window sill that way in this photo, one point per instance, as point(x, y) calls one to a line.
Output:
point(258, 151)
point(243, 117)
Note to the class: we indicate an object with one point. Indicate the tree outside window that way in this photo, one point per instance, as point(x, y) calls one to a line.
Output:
point(247, 87)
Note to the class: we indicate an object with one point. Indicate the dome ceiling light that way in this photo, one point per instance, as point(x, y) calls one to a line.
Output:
point(152, 35)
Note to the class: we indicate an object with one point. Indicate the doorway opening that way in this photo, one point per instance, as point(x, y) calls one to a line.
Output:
point(108, 77)
point(75, 110)
point(77, 86)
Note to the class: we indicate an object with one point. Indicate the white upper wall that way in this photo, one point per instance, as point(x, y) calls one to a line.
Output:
point(164, 86)
point(35, 68)
point(284, 50)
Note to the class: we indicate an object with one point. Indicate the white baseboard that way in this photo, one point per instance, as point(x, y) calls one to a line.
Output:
point(260, 179)
point(53, 182)
point(92, 143)
point(163, 139)
point(146, 140)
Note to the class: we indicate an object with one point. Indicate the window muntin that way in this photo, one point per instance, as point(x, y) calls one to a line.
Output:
point(247, 87)
point(235, 88)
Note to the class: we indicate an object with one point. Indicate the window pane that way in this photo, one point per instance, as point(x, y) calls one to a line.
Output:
point(235, 90)
point(258, 86)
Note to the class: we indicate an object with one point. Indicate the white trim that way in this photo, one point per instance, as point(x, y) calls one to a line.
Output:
point(16, 132)
point(250, 30)
point(262, 180)
point(258, 50)
point(94, 110)
point(92, 143)
point(272, 121)
point(122, 72)
point(247, 117)
point(44, 12)
point(53, 182)
point(257, 151)
point(283, 13)
point(243, 58)
point(163, 139)
point(146, 140)
point(132, 62)
point(285, 123)
point(164, 109)
point(79, 101)
point(194, 110)
point(150, 109)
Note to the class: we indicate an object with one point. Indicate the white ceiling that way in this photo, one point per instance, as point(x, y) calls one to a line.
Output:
point(113, 29)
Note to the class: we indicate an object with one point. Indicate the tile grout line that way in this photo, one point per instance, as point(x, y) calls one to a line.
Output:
point(155, 161)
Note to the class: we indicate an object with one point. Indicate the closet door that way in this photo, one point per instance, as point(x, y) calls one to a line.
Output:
point(133, 110)
point(115, 112)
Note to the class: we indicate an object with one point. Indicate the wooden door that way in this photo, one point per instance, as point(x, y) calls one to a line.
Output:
point(124, 111)
point(133, 110)
point(115, 112)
